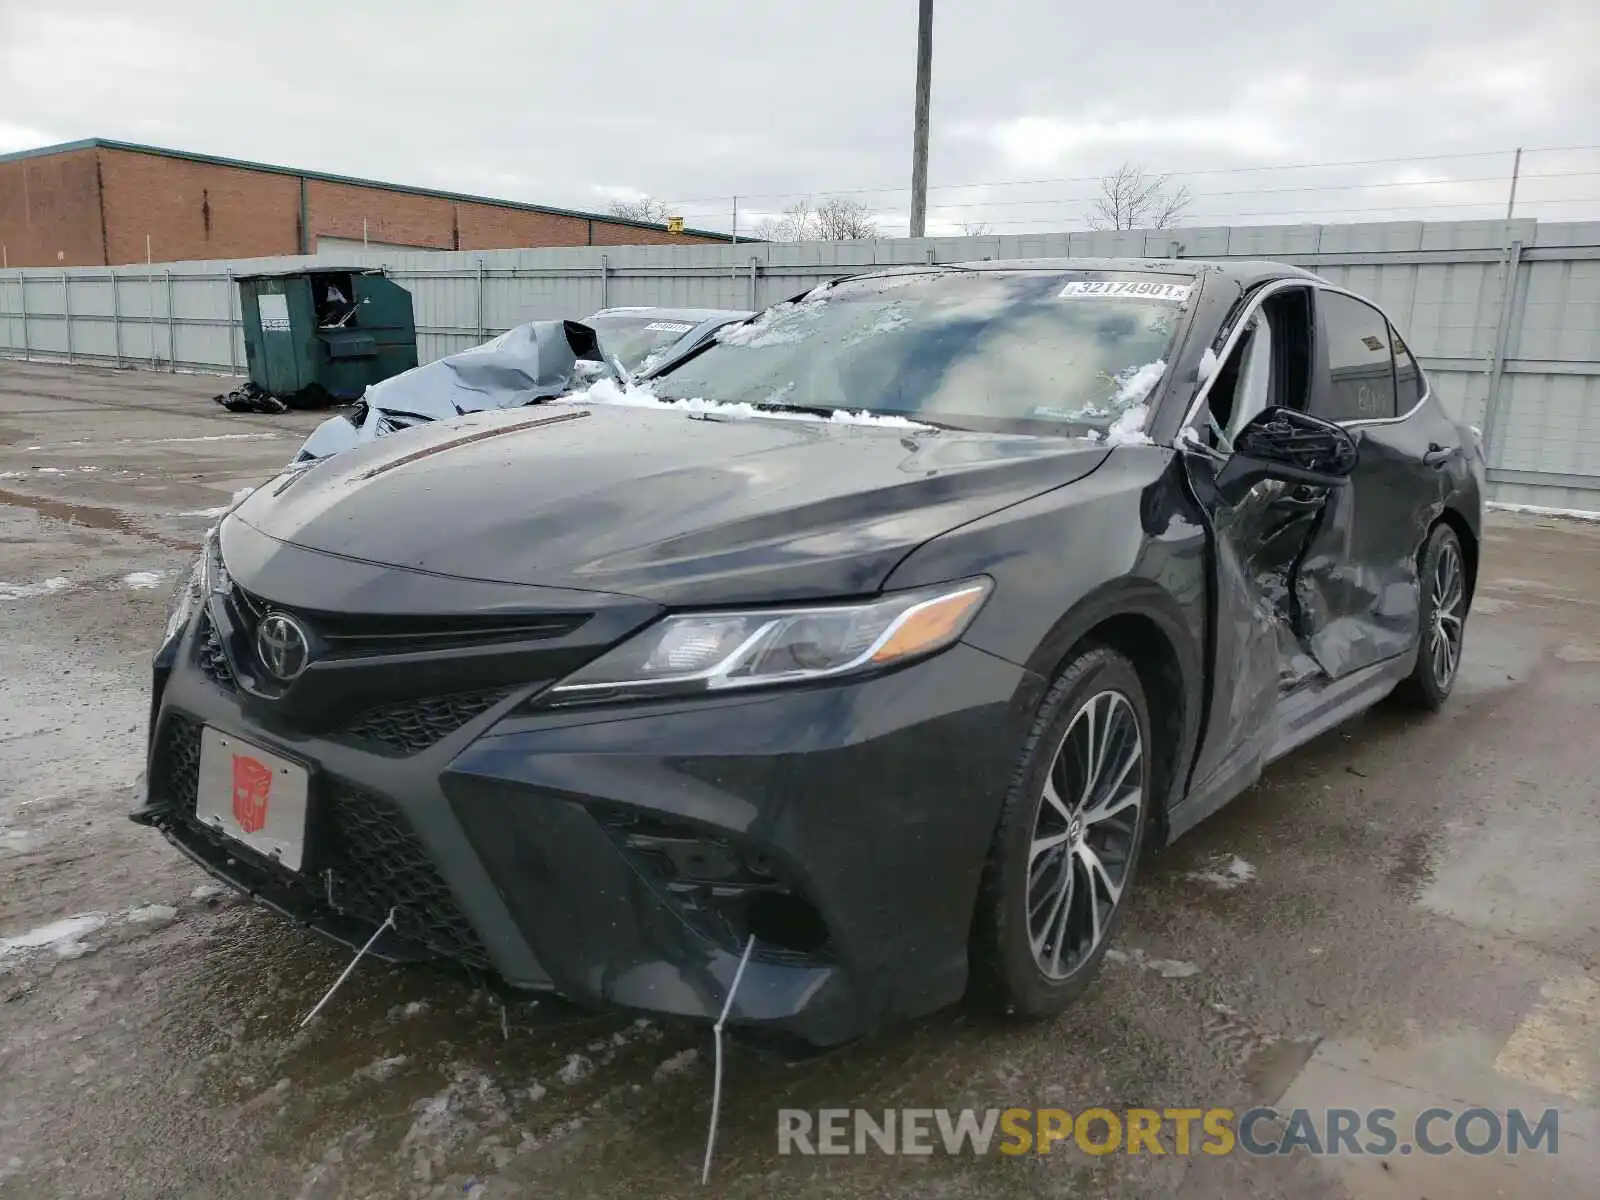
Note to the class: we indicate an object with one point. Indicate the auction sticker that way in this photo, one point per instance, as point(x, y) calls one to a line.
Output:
point(669, 327)
point(1083, 289)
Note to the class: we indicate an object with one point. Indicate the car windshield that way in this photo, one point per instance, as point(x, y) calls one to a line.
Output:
point(1012, 351)
point(633, 337)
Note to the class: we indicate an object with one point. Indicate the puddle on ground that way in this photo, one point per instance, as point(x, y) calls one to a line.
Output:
point(91, 517)
point(1412, 870)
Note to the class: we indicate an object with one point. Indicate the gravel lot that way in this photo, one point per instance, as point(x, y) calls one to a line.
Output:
point(1403, 913)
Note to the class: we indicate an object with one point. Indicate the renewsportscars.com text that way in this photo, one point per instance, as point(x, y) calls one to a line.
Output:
point(1181, 1131)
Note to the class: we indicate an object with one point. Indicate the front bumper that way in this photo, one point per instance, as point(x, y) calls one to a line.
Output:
point(621, 856)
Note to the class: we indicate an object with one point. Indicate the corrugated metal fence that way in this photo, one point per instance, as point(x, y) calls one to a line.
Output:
point(1522, 361)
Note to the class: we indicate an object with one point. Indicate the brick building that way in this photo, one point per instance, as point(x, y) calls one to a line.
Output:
point(95, 202)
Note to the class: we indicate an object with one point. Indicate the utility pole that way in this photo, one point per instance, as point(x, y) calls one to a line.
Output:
point(919, 144)
point(1516, 172)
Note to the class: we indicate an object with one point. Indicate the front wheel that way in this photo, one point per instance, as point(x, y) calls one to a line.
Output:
point(1068, 840)
point(1442, 620)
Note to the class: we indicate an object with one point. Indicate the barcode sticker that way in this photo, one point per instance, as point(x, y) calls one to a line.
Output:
point(1083, 289)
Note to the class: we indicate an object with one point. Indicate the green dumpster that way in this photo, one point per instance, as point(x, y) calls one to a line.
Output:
point(321, 336)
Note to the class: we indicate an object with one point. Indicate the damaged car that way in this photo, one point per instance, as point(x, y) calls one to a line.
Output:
point(878, 640)
point(526, 364)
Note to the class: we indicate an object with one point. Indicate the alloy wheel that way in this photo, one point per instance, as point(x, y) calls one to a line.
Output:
point(1084, 831)
point(1449, 604)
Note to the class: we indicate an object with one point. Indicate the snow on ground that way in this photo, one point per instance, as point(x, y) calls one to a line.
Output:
point(1225, 876)
point(150, 914)
point(577, 1067)
point(143, 581)
point(25, 591)
point(607, 391)
point(1167, 968)
point(66, 935)
point(1539, 510)
point(676, 1065)
point(218, 437)
point(61, 936)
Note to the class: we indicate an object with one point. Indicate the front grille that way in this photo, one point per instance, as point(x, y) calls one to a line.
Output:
point(366, 858)
point(411, 726)
point(379, 865)
point(213, 662)
point(367, 634)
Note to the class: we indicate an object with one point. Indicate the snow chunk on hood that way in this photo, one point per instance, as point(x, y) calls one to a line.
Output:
point(608, 391)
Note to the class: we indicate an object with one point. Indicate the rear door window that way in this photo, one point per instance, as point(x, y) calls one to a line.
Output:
point(1361, 385)
point(1409, 385)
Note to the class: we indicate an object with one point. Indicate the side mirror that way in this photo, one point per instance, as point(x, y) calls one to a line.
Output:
point(1291, 447)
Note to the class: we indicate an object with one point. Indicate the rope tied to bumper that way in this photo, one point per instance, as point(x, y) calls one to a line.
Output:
point(388, 923)
point(716, 1085)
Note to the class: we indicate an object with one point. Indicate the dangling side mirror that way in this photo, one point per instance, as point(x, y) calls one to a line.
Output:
point(1291, 447)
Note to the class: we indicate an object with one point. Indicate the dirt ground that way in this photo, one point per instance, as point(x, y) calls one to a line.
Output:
point(1403, 913)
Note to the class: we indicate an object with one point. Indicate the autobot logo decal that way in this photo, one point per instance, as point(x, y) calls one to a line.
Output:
point(282, 646)
point(252, 787)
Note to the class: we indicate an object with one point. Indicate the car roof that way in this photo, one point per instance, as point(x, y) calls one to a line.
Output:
point(1242, 271)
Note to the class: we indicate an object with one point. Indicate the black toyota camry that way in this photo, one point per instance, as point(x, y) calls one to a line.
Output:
point(879, 639)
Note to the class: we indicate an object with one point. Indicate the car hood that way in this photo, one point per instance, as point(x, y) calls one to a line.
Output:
point(656, 503)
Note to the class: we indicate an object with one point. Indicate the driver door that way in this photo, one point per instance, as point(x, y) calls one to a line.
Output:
point(1260, 637)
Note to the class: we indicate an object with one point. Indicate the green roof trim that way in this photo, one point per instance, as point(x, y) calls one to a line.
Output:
point(349, 180)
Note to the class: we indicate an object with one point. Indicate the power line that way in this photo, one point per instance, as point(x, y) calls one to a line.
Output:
point(1331, 187)
point(1185, 174)
point(1227, 216)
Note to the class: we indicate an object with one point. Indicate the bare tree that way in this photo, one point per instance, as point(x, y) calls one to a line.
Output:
point(646, 208)
point(795, 225)
point(975, 229)
point(1132, 198)
point(832, 220)
point(839, 220)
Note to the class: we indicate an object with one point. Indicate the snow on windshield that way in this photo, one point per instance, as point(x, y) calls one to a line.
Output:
point(1135, 386)
point(785, 324)
point(608, 391)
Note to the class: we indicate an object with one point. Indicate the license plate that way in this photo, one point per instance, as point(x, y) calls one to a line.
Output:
point(254, 796)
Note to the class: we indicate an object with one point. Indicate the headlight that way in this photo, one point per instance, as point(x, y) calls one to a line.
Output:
point(186, 598)
point(711, 652)
point(208, 575)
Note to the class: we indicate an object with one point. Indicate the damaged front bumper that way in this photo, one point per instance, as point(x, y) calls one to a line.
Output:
point(622, 856)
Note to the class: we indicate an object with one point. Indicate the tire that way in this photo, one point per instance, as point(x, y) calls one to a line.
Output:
point(1097, 694)
point(1442, 573)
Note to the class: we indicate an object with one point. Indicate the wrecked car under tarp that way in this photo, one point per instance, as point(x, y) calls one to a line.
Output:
point(531, 362)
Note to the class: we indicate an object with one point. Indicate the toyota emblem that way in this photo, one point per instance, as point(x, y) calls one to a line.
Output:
point(282, 647)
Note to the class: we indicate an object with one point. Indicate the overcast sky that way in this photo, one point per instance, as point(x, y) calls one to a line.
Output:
point(696, 100)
